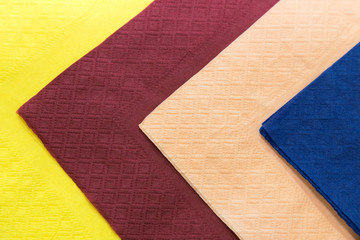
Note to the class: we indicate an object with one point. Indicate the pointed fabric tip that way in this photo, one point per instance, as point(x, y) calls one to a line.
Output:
point(318, 133)
point(88, 116)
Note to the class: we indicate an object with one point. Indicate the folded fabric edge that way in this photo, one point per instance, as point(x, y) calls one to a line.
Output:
point(54, 156)
point(268, 138)
point(19, 112)
point(80, 208)
point(304, 89)
point(87, 21)
point(163, 152)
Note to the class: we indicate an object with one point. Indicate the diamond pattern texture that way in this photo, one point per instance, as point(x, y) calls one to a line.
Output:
point(88, 116)
point(322, 124)
point(208, 129)
point(40, 38)
point(29, 209)
point(34, 25)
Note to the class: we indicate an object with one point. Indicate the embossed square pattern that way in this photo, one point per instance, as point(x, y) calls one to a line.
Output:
point(209, 128)
point(318, 133)
point(88, 116)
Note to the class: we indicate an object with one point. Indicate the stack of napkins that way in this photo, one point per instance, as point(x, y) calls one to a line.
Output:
point(88, 116)
point(199, 78)
point(209, 128)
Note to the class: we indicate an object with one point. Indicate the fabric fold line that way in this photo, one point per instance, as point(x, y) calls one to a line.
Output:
point(268, 138)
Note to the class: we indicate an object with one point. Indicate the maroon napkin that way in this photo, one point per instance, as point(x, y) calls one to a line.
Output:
point(88, 116)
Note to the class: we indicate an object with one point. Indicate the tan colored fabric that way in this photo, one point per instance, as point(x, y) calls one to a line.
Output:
point(209, 128)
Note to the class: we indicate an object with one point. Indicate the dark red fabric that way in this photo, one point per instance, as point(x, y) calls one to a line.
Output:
point(88, 116)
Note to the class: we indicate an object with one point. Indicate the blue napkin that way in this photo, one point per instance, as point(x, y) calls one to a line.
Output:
point(318, 133)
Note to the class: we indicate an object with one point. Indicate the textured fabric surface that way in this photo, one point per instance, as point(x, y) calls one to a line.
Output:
point(209, 128)
point(27, 27)
point(88, 116)
point(39, 40)
point(318, 133)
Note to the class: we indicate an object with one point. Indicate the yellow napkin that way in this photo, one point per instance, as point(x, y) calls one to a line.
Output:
point(40, 39)
point(209, 128)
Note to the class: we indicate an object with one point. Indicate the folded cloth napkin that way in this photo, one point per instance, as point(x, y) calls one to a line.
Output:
point(88, 116)
point(318, 132)
point(39, 40)
point(209, 128)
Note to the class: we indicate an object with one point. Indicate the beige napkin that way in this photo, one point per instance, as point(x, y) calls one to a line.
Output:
point(209, 128)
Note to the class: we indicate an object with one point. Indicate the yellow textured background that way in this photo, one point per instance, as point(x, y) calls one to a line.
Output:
point(40, 39)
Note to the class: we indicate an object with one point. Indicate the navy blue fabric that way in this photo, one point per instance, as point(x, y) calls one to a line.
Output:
point(318, 132)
